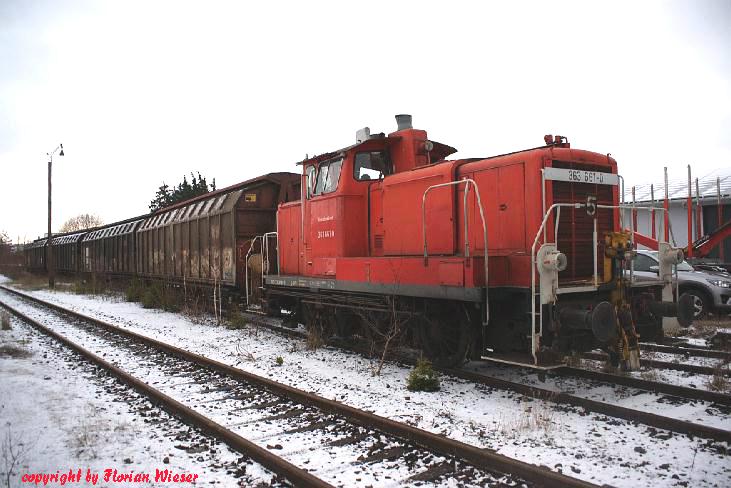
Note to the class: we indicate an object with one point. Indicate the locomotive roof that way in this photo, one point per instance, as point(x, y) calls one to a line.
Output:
point(439, 152)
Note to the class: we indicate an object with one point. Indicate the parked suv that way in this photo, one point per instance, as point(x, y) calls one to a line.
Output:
point(711, 290)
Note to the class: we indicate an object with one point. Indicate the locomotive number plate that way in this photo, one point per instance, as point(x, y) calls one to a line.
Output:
point(580, 176)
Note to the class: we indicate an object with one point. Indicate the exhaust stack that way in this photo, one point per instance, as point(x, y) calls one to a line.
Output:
point(404, 122)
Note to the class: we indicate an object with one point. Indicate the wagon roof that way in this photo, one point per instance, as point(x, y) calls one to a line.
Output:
point(213, 204)
point(269, 177)
point(118, 229)
point(68, 238)
point(35, 244)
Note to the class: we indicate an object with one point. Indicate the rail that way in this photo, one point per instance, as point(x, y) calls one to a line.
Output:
point(295, 474)
point(445, 446)
point(467, 182)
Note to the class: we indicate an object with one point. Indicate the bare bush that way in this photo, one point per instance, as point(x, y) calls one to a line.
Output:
point(13, 452)
point(243, 352)
point(382, 339)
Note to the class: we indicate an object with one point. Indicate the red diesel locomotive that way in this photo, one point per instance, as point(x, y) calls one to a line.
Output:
point(521, 256)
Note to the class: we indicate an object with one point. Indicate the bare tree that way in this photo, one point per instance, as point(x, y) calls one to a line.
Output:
point(81, 222)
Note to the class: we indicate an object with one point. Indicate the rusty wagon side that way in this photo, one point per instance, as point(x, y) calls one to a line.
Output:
point(204, 240)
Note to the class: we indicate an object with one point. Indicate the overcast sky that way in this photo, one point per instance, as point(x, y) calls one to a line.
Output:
point(145, 92)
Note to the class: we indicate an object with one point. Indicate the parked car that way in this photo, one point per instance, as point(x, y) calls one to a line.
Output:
point(711, 290)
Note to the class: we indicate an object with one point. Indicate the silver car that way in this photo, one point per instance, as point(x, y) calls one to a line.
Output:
point(711, 290)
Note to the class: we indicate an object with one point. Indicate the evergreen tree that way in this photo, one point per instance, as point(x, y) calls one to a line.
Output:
point(166, 196)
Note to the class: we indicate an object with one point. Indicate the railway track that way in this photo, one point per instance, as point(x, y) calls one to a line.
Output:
point(223, 401)
point(659, 421)
point(558, 397)
point(688, 351)
point(685, 367)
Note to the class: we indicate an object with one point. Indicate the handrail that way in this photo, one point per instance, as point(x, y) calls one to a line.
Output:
point(533, 275)
point(595, 237)
point(467, 182)
point(265, 253)
point(246, 268)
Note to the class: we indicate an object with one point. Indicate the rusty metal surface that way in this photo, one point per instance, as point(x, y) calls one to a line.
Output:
point(192, 242)
point(629, 414)
point(203, 240)
point(481, 458)
point(688, 368)
point(297, 476)
point(35, 255)
point(66, 252)
point(687, 351)
point(110, 249)
point(657, 387)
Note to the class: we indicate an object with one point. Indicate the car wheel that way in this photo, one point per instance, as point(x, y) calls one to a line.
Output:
point(701, 303)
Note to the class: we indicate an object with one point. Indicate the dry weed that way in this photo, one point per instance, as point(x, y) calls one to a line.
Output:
point(315, 338)
point(5, 320)
point(533, 418)
point(650, 375)
point(243, 353)
point(87, 432)
point(719, 381)
point(29, 281)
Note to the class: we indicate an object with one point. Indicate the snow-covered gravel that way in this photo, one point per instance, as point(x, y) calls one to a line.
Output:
point(588, 446)
point(681, 359)
point(699, 412)
point(261, 417)
point(670, 376)
point(59, 413)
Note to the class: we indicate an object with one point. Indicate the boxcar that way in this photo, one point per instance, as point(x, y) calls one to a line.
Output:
point(65, 250)
point(35, 255)
point(110, 249)
point(205, 239)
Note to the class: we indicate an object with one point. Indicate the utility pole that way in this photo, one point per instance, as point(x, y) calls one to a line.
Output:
point(49, 242)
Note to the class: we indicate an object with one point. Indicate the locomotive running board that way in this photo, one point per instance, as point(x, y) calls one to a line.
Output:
point(524, 360)
point(425, 291)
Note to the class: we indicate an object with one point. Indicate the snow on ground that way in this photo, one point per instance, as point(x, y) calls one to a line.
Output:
point(58, 413)
point(680, 358)
point(680, 378)
point(695, 411)
point(593, 447)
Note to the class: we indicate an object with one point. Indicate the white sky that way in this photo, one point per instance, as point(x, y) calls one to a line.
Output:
point(145, 92)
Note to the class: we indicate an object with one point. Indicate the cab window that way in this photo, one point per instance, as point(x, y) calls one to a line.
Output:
point(328, 176)
point(310, 172)
point(372, 165)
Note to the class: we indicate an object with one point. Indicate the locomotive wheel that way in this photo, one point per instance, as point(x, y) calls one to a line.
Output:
point(446, 336)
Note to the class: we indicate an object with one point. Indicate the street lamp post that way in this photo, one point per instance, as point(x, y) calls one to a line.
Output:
point(49, 242)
